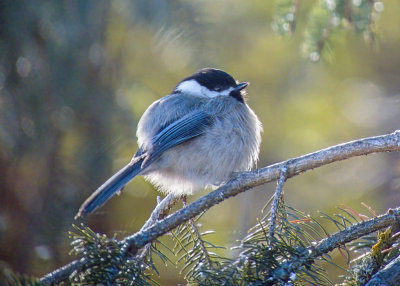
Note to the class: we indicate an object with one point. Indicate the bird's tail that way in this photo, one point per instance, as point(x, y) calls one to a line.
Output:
point(110, 188)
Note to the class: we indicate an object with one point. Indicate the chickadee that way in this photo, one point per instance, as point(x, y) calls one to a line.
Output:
point(193, 138)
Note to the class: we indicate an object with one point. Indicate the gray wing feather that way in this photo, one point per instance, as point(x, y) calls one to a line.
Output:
point(188, 127)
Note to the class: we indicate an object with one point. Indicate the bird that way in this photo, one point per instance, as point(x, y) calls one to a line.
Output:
point(195, 138)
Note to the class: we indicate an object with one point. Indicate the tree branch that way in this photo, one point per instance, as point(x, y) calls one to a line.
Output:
point(337, 239)
point(62, 274)
point(245, 181)
point(389, 275)
point(275, 202)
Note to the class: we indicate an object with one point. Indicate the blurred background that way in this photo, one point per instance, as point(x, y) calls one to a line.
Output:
point(75, 77)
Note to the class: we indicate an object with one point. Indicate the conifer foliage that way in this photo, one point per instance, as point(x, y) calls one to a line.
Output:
point(328, 21)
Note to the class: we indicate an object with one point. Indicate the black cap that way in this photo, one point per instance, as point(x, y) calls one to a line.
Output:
point(213, 79)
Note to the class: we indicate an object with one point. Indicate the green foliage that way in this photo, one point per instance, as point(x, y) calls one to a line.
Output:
point(269, 260)
point(201, 262)
point(105, 261)
point(280, 259)
point(10, 278)
point(286, 256)
point(263, 260)
point(285, 16)
point(326, 20)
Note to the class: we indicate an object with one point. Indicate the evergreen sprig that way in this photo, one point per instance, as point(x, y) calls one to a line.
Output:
point(264, 258)
point(286, 257)
point(10, 278)
point(285, 16)
point(105, 261)
point(201, 262)
point(327, 19)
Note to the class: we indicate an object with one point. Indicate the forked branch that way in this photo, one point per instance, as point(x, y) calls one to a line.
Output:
point(241, 183)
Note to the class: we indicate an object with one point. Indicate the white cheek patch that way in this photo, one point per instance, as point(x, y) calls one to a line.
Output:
point(193, 87)
point(190, 87)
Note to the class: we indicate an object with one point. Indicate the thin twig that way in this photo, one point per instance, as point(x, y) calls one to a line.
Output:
point(243, 182)
point(198, 239)
point(275, 203)
point(160, 211)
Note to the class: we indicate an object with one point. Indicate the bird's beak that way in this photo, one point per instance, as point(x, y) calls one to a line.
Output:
point(241, 86)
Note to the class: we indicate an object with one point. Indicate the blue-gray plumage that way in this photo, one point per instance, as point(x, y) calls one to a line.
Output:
point(196, 137)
